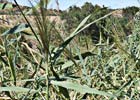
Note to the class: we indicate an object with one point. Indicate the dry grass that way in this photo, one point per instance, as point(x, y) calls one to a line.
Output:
point(66, 68)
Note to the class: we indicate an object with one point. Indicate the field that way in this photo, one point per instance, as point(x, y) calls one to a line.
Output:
point(42, 60)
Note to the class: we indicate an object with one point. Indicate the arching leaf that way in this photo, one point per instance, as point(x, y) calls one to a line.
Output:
point(16, 89)
point(16, 29)
point(80, 88)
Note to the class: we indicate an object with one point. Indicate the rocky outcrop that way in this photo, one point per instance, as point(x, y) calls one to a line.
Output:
point(118, 13)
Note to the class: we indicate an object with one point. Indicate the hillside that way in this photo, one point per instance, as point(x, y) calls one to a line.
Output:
point(10, 15)
point(9, 12)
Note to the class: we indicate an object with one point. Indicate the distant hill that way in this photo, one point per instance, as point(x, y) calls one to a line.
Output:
point(2, 1)
point(10, 8)
point(11, 15)
point(8, 12)
point(128, 12)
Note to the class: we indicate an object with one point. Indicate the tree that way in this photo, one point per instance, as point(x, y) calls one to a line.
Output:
point(129, 12)
point(75, 15)
point(72, 17)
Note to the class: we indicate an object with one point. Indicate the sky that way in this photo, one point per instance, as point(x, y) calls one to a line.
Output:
point(64, 4)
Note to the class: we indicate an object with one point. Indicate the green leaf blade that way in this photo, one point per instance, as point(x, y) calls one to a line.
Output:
point(57, 52)
point(16, 89)
point(16, 29)
point(80, 88)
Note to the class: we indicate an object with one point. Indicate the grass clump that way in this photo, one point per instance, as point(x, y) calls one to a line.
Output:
point(40, 69)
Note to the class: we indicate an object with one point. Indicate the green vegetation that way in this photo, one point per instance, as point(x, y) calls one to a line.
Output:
point(89, 56)
point(75, 14)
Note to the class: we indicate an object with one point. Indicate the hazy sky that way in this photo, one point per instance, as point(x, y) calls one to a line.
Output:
point(64, 4)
